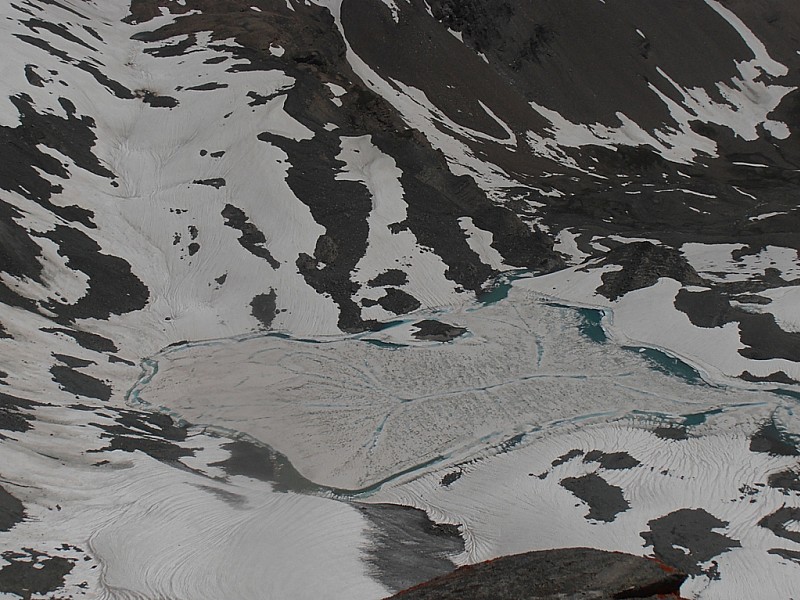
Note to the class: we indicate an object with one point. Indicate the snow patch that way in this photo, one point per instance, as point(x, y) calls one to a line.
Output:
point(480, 241)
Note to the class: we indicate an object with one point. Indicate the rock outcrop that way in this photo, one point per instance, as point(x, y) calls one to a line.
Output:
point(554, 574)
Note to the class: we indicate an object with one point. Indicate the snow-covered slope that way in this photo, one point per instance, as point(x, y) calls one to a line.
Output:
point(289, 219)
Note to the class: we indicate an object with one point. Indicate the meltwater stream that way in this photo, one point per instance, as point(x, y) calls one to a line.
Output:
point(346, 416)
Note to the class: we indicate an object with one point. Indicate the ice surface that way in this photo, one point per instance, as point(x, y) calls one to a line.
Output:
point(471, 430)
point(144, 529)
point(513, 501)
point(351, 413)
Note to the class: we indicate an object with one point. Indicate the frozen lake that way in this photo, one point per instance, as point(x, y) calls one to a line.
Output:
point(350, 412)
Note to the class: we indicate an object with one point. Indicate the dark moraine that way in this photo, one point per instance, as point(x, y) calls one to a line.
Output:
point(113, 288)
point(765, 338)
point(257, 99)
point(771, 439)
point(605, 501)
point(33, 77)
point(436, 198)
point(57, 29)
point(15, 413)
point(111, 85)
point(207, 87)
point(389, 277)
point(157, 100)
point(611, 460)
point(407, 547)
point(779, 522)
point(340, 206)
point(315, 54)
point(12, 510)
point(566, 457)
point(686, 538)
point(73, 361)
point(154, 434)
point(759, 332)
point(31, 572)
point(672, 432)
point(26, 168)
point(398, 301)
point(786, 481)
point(117, 359)
point(23, 160)
point(176, 49)
point(261, 462)
point(252, 238)
point(776, 377)
point(263, 307)
point(450, 478)
point(215, 182)
point(80, 384)
point(643, 263)
point(564, 573)
point(792, 555)
point(436, 331)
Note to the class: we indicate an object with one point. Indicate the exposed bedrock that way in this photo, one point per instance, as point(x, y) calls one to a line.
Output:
point(533, 46)
point(774, 440)
point(12, 510)
point(554, 574)
point(16, 414)
point(643, 263)
point(605, 501)
point(686, 538)
point(432, 330)
point(763, 337)
point(33, 572)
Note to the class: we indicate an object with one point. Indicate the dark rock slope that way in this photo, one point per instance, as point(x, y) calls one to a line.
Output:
point(552, 575)
point(524, 120)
